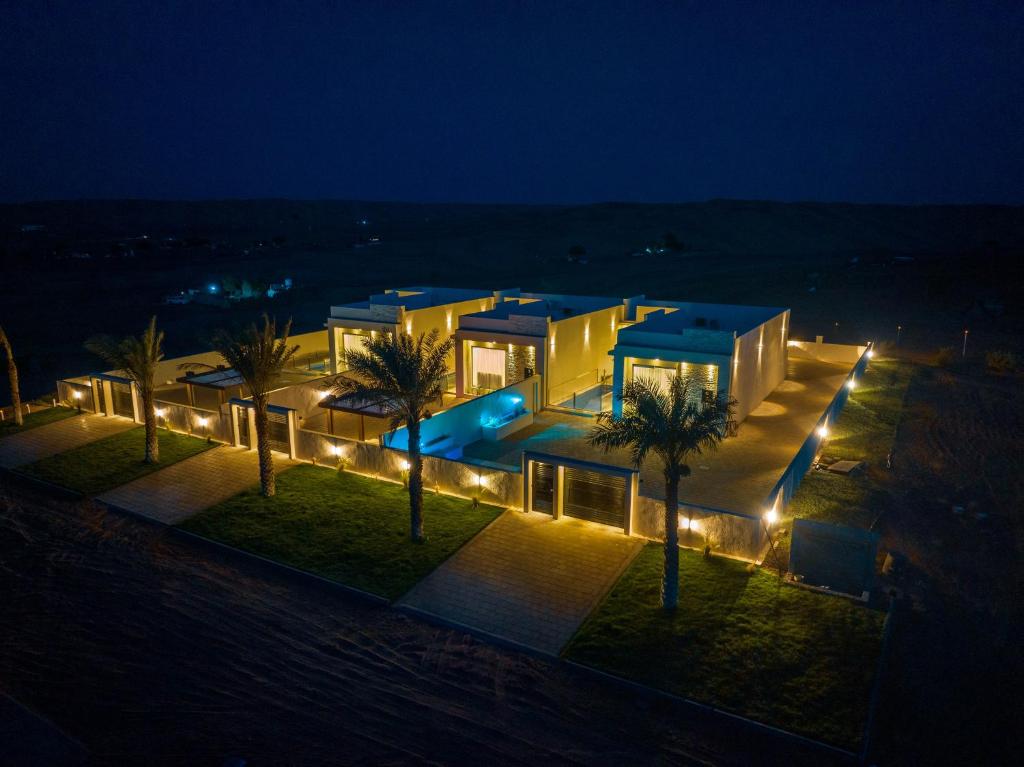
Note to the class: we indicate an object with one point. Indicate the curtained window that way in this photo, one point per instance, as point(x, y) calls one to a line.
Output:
point(488, 368)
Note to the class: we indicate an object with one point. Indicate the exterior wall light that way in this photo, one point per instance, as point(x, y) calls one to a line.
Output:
point(851, 384)
point(823, 431)
point(771, 516)
point(870, 354)
point(159, 412)
point(335, 450)
point(76, 394)
point(202, 420)
point(404, 465)
point(323, 394)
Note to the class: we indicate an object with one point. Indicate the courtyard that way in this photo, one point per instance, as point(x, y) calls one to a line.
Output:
point(737, 477)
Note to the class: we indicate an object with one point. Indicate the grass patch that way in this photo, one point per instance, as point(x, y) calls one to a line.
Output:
point(740, 641)
point(864, 431)
point(345, 527)
point(38, 418)
point(112, 461)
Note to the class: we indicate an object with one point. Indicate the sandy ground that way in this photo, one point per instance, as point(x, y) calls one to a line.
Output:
point(150, 648)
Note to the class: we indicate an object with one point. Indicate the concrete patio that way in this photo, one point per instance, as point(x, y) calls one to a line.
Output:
point(43, 441)
point(527, 579)
point(187, 487)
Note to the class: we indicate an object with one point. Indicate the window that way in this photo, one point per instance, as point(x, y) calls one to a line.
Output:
point(354, 343)
point(660, 376)
point(488, 371)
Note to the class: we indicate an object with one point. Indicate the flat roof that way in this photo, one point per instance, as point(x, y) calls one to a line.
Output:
point(680, 315)
point(557, 307)
point(419, 297)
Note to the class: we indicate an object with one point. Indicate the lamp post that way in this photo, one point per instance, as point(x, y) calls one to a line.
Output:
point(899, 329)
point(963, 355)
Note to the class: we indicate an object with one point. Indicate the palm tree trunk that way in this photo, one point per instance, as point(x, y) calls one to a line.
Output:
point(268, 484)
point(670, 578)
point(415, 484)
point(12, 378)
point(149, 419)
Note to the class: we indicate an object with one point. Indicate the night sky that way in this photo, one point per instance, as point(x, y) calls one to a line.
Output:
point(513, 102)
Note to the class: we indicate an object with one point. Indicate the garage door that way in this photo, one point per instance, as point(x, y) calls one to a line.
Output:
point(278, 432)
point(122, 396)
point(596, 497)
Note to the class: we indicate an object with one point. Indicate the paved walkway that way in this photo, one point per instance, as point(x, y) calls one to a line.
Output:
point(43, 441)
point(184, 488)
point(527, 578)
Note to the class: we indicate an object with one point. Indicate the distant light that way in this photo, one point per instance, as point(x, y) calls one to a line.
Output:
point(822, 431)
point(212, 288)
point(851, 384)
point(771, 516)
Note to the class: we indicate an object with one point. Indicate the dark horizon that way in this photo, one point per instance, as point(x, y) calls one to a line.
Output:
point(537, 104)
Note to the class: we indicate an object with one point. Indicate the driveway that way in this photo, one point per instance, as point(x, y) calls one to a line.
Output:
point(184, 488)
point(527, 579)
point(43, 441)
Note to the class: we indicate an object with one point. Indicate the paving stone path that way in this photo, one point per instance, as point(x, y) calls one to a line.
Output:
point(527, 578)
point(177, 492)
point(43, 441)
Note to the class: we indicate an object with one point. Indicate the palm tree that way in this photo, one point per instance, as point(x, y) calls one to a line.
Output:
point(674, 426)
point(258, 356)
point(401, 375)
point(137, 358)
point(12, 377)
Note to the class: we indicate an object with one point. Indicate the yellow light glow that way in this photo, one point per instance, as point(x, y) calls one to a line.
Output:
point(323, 394)
point(404, 465)
point(202, 420)
point(448, 320)
point(586, 332)
point(870, 353)
point(823, 431)
point(771, 516)
point(851, 384)
point(552, 343)
point(76, 394)
point(159, 412)
point(335, 449)
point(408, 327)
point(693, 525)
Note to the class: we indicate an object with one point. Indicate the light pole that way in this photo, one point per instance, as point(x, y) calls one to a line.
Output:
point(899, 329)
point(963, 355)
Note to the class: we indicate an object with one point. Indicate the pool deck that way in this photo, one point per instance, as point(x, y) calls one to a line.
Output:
point(737, 477)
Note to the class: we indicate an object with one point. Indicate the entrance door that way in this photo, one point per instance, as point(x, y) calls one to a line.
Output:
point(244, 440)
point(122, 397)
point(543, 482)
point(596, 497)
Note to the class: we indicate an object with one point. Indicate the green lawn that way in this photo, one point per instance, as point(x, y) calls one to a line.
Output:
point(37, 418)
point(345, 527)
point(864, 431)
point(112, 461)
point(740, 641)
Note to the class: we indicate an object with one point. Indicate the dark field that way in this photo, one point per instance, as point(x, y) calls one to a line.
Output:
point(850, 272)
point(159, 651)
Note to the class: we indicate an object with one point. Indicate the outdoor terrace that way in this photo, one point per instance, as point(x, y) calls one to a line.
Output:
point(737, 477)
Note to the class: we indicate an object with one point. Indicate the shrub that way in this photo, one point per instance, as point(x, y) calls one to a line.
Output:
point(945, 356)
point(1000, 361)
